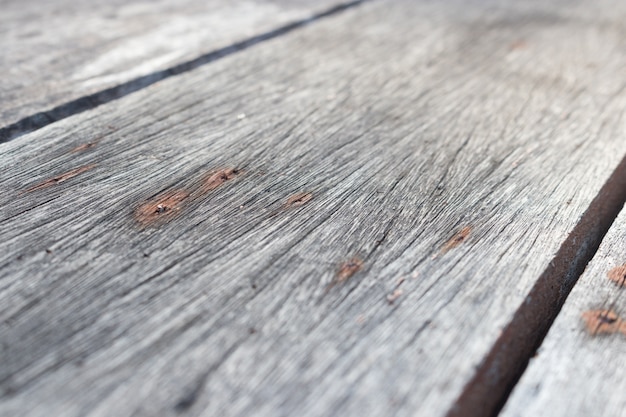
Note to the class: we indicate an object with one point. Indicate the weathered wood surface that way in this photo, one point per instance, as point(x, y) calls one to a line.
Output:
point(579, 370)
point(404, 173)
point(57, 51)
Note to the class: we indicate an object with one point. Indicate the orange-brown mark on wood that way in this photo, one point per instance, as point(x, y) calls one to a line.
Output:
point(518, 44)
point(345, 271)
point(618, 275)
point(391, 298)
point(60, 178)
point(397, 291)
point(216, 179)
point(298, 200)
point(83, 147)
point(161, 208)
point(603, 322)
point(457, 239)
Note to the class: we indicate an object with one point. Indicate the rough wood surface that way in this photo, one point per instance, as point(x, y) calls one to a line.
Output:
point(579, 370)
point(57, 51)
point(336, 222)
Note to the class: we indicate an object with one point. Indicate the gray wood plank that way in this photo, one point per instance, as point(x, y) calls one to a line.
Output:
point(57, 51)
point(579, 370)
point(336, 222)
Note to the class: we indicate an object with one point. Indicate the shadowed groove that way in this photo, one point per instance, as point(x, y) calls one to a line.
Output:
point(487, 392)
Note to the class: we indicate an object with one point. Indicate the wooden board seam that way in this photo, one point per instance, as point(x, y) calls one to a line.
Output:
point(37, 121)
point(497, 375)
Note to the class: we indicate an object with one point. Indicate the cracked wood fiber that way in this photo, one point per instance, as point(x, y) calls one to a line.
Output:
point(57, 51)
point(579, 369)
point(338, 221)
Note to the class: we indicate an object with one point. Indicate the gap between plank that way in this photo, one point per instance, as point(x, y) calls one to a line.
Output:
point(497, 375)
point(79, 105)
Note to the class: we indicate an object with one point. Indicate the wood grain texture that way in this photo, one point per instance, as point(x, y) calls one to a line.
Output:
point(57, 51)
point(579, 369)
point(335, 222)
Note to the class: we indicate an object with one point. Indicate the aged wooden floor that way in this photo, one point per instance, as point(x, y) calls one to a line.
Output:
point(312, 208)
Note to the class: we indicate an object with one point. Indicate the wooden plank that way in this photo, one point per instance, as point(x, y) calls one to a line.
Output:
point(578, 371)
point(336, 222)
point(58, 51)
